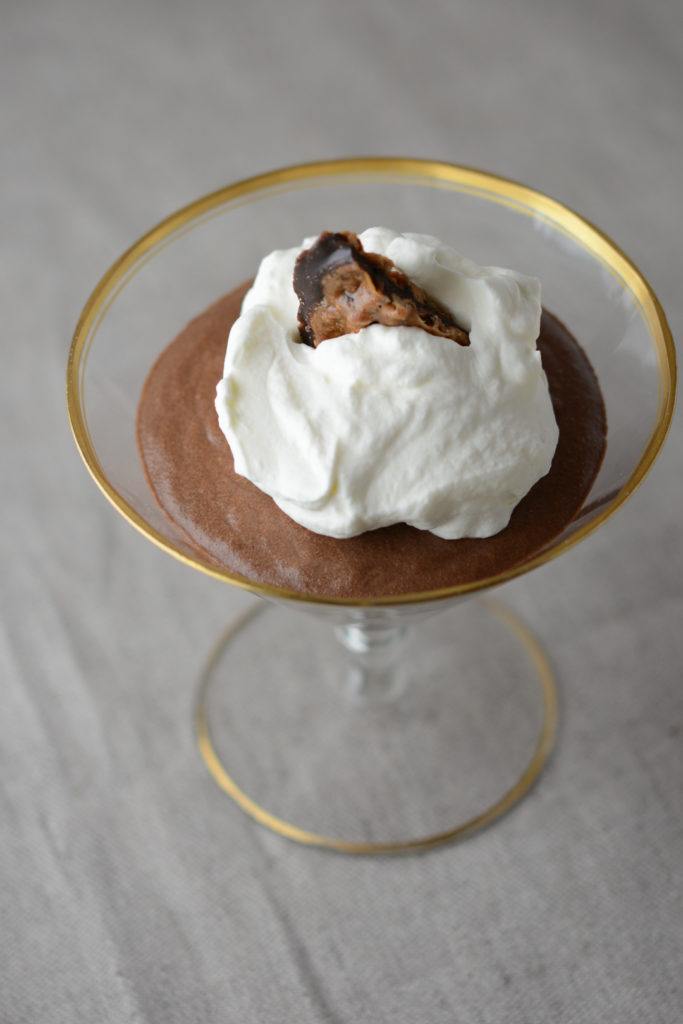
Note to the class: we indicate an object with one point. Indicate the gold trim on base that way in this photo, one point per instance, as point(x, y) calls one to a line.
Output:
point(548, 694)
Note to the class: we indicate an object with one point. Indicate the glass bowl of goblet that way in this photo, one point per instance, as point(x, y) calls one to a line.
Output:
point(381, 722)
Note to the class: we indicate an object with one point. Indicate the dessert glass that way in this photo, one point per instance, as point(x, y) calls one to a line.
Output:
point(376, 724)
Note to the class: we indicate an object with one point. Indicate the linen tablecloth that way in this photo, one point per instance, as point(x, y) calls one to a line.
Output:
point(131, 889)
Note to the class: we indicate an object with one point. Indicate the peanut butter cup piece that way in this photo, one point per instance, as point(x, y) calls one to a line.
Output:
point(342, 288)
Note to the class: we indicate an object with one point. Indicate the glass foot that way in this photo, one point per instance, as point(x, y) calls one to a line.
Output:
point(455, 738)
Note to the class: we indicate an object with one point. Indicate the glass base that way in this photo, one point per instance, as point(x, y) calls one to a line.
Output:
point(458, 735)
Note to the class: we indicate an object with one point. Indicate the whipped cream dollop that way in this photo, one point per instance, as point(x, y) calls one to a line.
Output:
point(392, 424)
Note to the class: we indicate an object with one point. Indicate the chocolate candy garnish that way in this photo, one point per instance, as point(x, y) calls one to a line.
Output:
point(342, 288)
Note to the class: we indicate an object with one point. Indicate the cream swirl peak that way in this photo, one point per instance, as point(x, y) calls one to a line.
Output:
point(391, 424)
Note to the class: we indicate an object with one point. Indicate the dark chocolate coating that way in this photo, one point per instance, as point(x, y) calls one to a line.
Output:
point(342, 288)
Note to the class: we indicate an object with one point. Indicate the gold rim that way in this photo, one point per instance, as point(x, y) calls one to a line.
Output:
point(544, 744)
point(406, 171)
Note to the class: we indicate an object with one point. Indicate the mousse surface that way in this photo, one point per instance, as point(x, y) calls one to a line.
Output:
point(235, 526)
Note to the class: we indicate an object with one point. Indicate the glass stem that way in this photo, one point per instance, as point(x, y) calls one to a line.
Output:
point(374, 660)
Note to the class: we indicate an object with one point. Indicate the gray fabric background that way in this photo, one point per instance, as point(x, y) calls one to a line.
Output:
point(131, 890)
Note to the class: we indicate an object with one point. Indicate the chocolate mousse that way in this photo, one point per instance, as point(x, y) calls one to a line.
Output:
point(233, 525)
